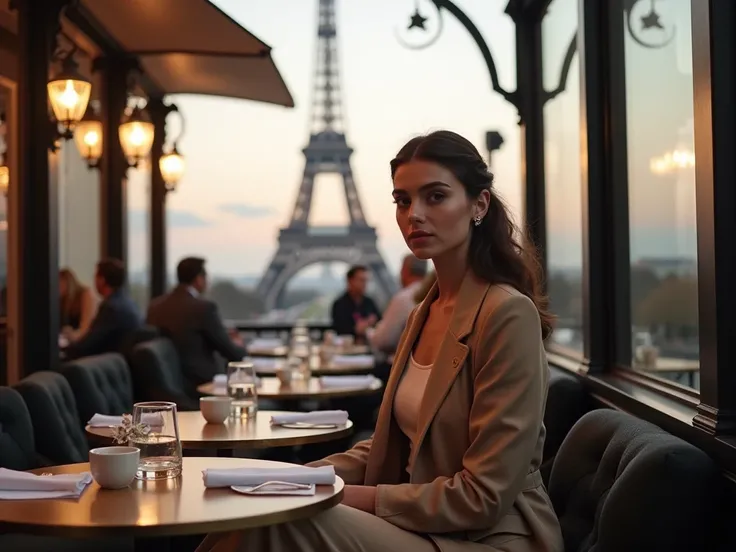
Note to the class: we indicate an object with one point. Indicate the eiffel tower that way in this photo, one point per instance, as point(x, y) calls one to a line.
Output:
point(300, 244)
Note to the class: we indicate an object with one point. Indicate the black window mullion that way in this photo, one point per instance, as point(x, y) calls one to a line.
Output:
point(714, 78)
point(606, 262)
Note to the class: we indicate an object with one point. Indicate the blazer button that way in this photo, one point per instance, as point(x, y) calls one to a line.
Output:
point(455, 361)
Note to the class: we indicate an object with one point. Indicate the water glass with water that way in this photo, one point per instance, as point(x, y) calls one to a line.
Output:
point(160, 456)
point(241, 386)
point(300, 346)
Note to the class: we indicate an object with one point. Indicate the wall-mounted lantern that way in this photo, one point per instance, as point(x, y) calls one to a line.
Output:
point(69, 94)
point(172, 167)
point(172, 163)
point(88, 137)
point(136, 135)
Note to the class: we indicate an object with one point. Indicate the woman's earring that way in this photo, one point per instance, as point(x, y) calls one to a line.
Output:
point(477, 220)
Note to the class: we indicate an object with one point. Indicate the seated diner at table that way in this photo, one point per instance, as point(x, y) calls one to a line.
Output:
point(453, 462)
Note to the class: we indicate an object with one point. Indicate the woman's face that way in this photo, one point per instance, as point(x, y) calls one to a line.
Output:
point(433, 210)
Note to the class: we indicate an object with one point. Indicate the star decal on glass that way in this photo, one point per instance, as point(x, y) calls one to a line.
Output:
point(417, 21)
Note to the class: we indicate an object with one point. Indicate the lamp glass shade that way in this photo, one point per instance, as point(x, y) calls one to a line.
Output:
point(69, 99)
point(4, 179)
point(172, 167)
point(136, 139)
point(88, 137)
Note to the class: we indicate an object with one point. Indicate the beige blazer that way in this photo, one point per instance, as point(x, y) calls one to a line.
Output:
point(475, 476)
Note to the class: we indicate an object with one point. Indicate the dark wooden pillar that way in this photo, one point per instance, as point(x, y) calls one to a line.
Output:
point(36, 217)
point(530, 97)
point(113, 165)
point(158, 112)
point(714, 74)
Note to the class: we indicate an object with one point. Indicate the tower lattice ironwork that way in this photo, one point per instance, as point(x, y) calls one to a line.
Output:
point(301, 244)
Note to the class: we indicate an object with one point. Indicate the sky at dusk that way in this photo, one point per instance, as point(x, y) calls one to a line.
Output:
point(244, 159)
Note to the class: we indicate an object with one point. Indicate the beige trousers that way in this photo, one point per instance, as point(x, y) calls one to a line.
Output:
point(340, 529)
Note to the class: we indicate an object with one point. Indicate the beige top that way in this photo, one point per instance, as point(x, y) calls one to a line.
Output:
point(408, 398)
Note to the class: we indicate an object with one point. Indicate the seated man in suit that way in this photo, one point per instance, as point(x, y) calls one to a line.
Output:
point(194, 325)
point(354, 312)
point(117, 315)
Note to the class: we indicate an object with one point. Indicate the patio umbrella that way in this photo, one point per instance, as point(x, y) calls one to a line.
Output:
point(190, 47)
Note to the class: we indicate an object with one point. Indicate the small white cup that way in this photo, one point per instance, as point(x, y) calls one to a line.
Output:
point(114, 467)
point(215, 409)
point(285, 375)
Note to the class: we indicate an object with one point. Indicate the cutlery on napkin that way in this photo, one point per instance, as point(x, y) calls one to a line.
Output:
point(315, 418)
point(276, 488)
point(153, 419)
point(18, 485)
point(346, 381)
point(291, 480)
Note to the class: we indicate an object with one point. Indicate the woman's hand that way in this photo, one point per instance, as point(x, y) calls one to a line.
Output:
point(360, 497)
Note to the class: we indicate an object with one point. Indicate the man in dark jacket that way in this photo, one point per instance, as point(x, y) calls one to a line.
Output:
point(354, 312)
point(117, 315)
point(193, 324)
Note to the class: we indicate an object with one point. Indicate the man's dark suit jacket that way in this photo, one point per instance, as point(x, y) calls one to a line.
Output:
point(117, 316)
point(345, 311)
point(195, 327)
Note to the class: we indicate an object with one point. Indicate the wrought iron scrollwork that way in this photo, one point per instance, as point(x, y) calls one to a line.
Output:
point(417, 21)
point(651, 20)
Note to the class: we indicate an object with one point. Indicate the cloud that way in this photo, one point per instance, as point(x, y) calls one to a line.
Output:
point(138, 220)
point(244, 210)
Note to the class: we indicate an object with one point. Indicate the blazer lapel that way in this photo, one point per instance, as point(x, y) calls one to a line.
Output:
point(452, 355)
point(385, 464)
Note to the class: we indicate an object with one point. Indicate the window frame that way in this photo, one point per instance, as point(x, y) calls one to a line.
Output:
point(706, 418)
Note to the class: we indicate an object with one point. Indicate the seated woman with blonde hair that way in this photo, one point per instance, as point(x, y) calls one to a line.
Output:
point(78, 305)
point(453, 463)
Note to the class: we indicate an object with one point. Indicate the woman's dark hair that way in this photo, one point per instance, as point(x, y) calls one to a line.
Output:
point(496, 254)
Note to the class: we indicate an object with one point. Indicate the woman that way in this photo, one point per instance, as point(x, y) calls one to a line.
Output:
point(425, 286)
point(78, 305)
point(453, 461)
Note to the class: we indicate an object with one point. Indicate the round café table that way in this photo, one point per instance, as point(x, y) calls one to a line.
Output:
point(196, 433)
point(271, 388)
point(163, 508)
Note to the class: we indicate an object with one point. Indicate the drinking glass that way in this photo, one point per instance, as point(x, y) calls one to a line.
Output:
point(329, 337)
point(241, 386)
point(300, 346)
point(160, 456)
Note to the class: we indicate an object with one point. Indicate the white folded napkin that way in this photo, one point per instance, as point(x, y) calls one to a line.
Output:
point(220, 380)
point(338, 417)
point(353, 360)
point(267, 365)
point(153, 419)
point(265, 343)
point(18, 485)
point(346, 381)
point(324, 475)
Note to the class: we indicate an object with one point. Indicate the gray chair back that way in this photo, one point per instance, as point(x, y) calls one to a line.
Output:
point(619, 483)
point(58, 433)
point(17, 450)
point(157, 374)
point(101, 385)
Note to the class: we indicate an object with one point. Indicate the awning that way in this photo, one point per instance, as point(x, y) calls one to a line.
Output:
point(191, 47)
